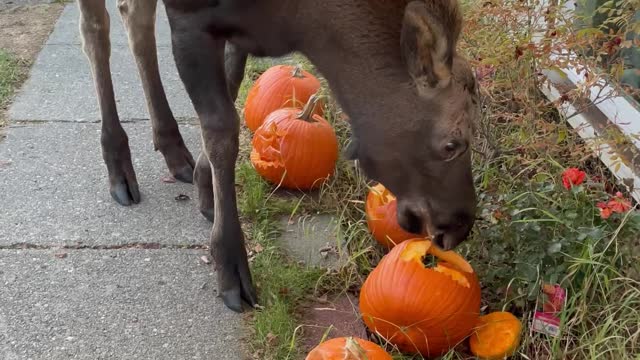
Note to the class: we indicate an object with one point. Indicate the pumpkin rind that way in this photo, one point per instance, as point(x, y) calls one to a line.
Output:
point(281, 86)
point(419, 309)
point(497, 336)
point(351, 348)
point(382, 219)
point(293, 152)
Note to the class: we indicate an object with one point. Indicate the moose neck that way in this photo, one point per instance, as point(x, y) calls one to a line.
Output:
point(359, 56)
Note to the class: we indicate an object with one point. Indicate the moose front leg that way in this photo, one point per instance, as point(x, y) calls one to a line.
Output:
point(139, 18)
point(199, 57)
point(94, 30)
point(234, 61)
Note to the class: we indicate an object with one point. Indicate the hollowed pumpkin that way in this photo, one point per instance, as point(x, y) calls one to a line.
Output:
point(295, 149)
point(418, 308)
point(497, 336)
point(281, 86)
point(348, 348)
point(381, 210)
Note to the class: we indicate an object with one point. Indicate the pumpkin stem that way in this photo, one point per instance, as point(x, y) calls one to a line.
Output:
point(309, 109)
point(355, 351)
point(297, 72)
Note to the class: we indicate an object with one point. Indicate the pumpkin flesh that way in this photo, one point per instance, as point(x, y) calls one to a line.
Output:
point(382, 219)
point(421, 310)
point(348, 349)
point(497, 336)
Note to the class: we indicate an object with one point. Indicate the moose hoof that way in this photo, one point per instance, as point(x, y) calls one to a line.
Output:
point(184, 174)
point(125, 193)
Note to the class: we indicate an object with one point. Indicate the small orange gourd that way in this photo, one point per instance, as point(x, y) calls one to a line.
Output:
point(497, 336)
point(348, 348)
point(296, 149)
point(417, 308)
point(381, 212)
point(281, 86)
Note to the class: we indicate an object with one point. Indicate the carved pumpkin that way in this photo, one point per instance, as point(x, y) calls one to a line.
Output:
point(296, 149)
point(417, 308)
point(350, 348)
point(382, 221)
point(281, 86)
point(497, 336)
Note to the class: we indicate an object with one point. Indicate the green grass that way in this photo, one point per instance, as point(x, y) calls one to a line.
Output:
point(282, 283)
point(10, 75)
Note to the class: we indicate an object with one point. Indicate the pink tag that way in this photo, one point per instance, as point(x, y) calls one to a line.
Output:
point(546, 323)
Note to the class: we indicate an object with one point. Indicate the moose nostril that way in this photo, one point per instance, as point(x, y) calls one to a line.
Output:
point(438, 239)
point(414, 222)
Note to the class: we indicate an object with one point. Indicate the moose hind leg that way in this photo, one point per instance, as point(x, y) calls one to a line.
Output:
point(139, 17)
point(235, 61)
point(94, 30)
point(199, 57)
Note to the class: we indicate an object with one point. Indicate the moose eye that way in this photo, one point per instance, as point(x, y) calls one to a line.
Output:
point(452, 149)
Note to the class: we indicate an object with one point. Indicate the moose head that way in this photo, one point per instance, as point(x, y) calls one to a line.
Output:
point(414, 135)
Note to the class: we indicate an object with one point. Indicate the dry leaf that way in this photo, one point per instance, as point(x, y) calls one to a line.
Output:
point(168, 179)
point(205, 259)
point(182, 197)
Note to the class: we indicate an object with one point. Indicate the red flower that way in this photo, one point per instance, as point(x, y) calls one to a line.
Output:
point(619, 204)
point(573, 176)
point(605, 211)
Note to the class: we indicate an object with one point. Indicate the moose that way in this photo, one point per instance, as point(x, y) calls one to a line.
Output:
point(391, 64)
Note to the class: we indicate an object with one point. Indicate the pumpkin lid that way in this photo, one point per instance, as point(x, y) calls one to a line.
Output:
point(497, 335)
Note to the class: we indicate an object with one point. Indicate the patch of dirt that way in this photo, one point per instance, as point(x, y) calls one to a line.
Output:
point(26, 28)
point(339, 316)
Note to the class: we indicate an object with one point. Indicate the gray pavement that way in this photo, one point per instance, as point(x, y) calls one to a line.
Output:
point(117, 304)
point(54, 190)
point(75, 283)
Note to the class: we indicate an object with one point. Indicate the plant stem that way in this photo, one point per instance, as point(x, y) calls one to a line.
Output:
point(309, 109)
point(297, 72)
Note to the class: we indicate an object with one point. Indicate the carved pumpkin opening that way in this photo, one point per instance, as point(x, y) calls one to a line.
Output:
point(267, 146)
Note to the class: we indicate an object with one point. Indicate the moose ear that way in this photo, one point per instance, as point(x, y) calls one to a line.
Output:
point(430, 31)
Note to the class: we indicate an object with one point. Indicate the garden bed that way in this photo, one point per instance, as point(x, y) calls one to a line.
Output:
point(550, 211)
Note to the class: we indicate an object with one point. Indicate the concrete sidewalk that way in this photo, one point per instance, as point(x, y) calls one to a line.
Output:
point(80, 276)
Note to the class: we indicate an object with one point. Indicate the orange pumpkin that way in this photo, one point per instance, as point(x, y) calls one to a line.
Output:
point(497, 336)
point(281, 86)
point(296, 149)
point(348, 348)
point(382, 221)
point(421, 309)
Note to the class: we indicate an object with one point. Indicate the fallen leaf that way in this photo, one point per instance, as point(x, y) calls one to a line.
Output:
point(168, 179)
point(205, 259)
point(182, 197)
point(271, 338)
point(258, 248)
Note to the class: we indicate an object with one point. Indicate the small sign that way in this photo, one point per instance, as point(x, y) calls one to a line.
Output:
point(546, 323)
